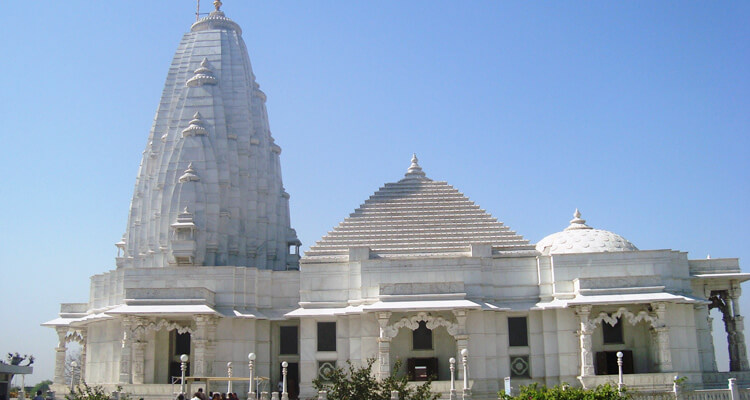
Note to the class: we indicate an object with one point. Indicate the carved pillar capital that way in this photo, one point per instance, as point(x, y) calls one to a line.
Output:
point(584, 310)
point(659, 311)
point(461, 316)
point(62, 332)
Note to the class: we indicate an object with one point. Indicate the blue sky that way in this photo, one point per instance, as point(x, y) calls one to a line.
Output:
point(635, 112)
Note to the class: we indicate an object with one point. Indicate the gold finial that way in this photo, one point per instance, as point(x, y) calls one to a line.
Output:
point(217, 4)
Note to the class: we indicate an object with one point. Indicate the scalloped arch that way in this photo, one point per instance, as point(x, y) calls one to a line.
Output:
point(413, 323)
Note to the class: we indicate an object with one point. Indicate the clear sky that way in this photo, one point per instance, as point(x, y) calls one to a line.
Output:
point(636, 112)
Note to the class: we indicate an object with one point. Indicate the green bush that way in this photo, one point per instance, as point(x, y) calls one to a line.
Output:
point(43, 386)
point(565, 392)
point(359, 383)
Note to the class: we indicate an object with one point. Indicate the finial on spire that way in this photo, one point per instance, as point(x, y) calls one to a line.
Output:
point(577, 222)
point(189, 175)
point(414, 169)
point(217, 5)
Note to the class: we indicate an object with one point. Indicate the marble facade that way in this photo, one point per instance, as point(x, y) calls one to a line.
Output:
point(209, 266)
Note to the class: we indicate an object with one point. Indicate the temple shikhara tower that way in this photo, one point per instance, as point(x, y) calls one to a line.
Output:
point(209, 268)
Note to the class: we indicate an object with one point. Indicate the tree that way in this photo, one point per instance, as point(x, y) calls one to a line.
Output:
point(71, 372)
point(565, 392)
point(359, 383)
point(43, 386)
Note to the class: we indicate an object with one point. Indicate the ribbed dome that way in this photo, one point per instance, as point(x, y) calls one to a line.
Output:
point(581, 238)
point(417, 216)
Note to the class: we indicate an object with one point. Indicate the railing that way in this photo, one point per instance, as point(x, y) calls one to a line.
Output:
point(651, 395)
point(732, 392)
point(713, 394)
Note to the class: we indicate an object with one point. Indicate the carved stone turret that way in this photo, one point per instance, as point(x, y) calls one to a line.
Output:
point(183, 239)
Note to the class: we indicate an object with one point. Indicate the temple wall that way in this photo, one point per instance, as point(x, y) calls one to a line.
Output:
point(103, 351)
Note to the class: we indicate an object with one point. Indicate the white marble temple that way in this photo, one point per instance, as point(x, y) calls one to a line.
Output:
point(209, 266)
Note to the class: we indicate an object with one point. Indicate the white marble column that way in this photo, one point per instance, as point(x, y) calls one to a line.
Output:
point(585, 331)
point(83, 342)
point(203, 344)
point(705, 340)
point(384, 346)
point(737, 346)
point(661, 334)
point(462, 338)
point(126, 350)
point(60, 352)
point(710, 321)
point(138, 334)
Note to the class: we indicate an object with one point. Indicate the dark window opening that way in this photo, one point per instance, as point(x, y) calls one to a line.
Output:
point(288, 340)
point(612, 334)
point(606, 362)
point(518, 333)
point(422, 337)
point(326, 336)
point(182, 343)
point(422, 369)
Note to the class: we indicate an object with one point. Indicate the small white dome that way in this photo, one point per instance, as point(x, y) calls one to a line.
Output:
point(581, 238)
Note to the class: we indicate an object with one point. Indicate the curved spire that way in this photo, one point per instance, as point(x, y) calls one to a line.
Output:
point(577, 222)
point(217, 155)
point(414, 171)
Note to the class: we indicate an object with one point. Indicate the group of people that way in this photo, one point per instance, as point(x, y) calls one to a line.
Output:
point(200, 395)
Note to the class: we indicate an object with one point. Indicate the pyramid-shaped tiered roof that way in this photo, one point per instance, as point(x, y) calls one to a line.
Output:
point(417, 216)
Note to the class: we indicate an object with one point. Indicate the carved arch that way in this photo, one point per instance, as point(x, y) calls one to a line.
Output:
point(146, 326)
point(629, 316)
point(412, 323)
point(75, 336)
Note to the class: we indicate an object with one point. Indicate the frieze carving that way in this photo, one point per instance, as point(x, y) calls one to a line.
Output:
point(143, 326)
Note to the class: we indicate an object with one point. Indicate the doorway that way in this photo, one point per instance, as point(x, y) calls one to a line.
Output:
point(179, 344)
point(292, 379)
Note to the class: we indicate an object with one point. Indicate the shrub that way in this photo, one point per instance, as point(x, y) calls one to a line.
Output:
point(359, 383)
point(565, 392)
point(85, 392)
